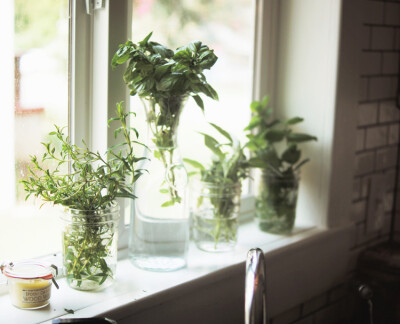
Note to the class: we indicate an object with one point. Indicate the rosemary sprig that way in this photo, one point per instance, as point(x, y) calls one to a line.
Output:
point(89, 189)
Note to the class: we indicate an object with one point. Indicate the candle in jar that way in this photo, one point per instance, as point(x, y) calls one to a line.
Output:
point(29, 284)
point(29, 293)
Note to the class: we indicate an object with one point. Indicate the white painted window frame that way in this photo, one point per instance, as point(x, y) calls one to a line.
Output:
point(94, 87)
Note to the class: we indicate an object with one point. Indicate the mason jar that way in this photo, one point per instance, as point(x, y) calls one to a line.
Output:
point(215, 211)
point(89, 246)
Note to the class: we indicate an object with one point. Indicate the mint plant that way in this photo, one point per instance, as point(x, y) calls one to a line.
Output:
point(275, 149)
point(222, 183)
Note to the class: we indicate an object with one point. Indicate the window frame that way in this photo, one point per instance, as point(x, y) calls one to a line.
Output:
point(94, 87)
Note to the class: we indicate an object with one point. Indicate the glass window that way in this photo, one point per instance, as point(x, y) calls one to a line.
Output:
point(225, 26)
point(38, 47)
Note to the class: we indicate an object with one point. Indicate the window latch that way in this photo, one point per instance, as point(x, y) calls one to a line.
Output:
point(92, 5)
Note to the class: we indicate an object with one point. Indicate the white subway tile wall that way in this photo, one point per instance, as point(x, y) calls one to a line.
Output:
point(376, 154)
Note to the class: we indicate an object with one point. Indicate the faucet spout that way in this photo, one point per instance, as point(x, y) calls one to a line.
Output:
point(255, 288)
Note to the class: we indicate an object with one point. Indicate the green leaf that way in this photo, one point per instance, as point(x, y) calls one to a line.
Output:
point(182, 54)
point(211, 92)
point(199, 101)
point(157, 154)
point(121, 56)
point(255, 107)
point(294, 120)
point(145, 40)
point(213, 145)
point(301, 164)
point(162, 50)
point(192, 46)
point(168, 203)
point(164, 191)
point(300, 137)
point(167, 82)
point(291, 155)
point(254, 122)
point(104, 278)
point(257, 162)
point(271, 157)
point(222, 131)
point(194, 164)
point(274, 135)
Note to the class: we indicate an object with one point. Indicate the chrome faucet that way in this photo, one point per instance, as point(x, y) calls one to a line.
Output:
point(255, 288)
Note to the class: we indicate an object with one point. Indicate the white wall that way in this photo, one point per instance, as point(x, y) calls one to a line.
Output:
point(306, 86)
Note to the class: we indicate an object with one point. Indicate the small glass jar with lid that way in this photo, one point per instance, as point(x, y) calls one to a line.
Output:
point(29, 283)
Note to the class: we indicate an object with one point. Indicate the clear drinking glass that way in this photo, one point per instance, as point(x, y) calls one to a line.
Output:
point(276, 202)
point(215, 211)
point(89, 242)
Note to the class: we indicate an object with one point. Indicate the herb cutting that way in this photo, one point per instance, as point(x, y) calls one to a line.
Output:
point(215, 216)
point(164, 79)
point(275, 150)
point(88, 192)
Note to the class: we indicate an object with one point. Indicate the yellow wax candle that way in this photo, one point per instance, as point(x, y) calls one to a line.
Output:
point(29, 283)
point(29, 293)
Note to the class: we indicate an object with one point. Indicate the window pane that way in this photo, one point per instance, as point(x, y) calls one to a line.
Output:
point(225, 26)
point(39, 51)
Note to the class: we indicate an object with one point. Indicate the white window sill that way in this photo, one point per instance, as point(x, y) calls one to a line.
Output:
point(132, 285)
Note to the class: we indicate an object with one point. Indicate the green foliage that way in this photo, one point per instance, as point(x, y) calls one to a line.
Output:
point(275, 150)
point(164, 79)
point(86, 247)
point(92, 185)
point(93, 182)
point(266, 135)
point(155, 71)
point(228, 167)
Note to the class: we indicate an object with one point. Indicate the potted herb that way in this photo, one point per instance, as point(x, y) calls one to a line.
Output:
point(88, 193)
point(163, 79)
point(217, 195)
point(275, 150)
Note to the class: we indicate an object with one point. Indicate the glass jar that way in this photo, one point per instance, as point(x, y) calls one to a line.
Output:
point(29, 284)
point(215, 212)
point(276, 202)
point(89, 243)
